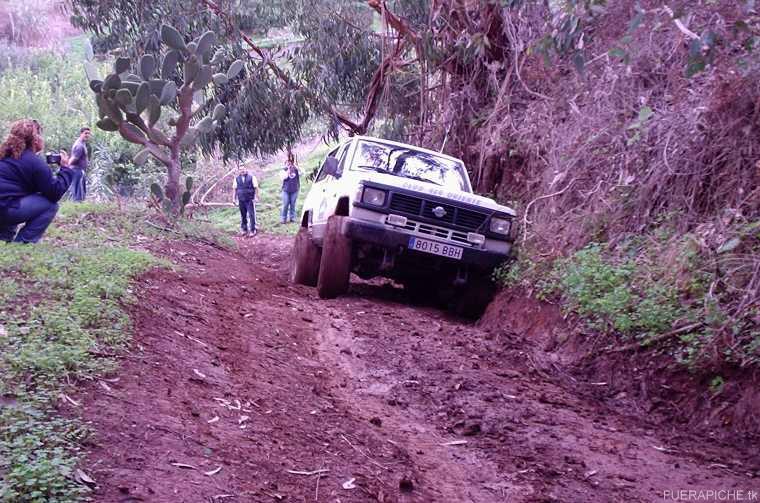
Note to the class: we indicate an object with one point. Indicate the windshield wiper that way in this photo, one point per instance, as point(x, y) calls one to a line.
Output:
point(401, 175)
point(420, 179)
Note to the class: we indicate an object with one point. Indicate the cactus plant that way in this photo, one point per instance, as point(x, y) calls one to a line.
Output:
point(132, 104)
point(167, 205)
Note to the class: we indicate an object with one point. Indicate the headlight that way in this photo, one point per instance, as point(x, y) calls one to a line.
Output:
point(375, 197)
point(500, 226)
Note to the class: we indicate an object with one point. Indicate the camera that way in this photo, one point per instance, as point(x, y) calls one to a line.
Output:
point(53, 158)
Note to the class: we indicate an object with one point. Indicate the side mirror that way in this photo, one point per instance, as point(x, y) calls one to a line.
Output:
point(331, 166)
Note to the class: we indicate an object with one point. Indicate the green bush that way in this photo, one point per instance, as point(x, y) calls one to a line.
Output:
point(61, 301)
point(651, 285)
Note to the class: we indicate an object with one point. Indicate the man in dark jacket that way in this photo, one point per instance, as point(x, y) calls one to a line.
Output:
point(29, 191)
point(246, 188)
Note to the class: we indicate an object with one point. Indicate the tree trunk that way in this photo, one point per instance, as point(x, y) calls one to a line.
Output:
point(172, 189)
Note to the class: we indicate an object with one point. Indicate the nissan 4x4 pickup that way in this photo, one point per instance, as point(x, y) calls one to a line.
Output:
point(382, 208)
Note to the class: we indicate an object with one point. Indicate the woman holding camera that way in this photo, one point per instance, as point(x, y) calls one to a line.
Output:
point(29, 192)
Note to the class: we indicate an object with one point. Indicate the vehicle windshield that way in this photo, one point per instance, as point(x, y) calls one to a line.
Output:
point(411, 163)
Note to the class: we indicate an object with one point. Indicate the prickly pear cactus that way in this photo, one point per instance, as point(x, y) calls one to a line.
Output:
point(157, 104)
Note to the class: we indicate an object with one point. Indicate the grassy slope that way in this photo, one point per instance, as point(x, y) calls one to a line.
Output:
point(61, 309)
point(268, 209)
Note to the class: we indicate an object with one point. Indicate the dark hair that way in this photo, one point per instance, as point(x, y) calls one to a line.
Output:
point(84, 129)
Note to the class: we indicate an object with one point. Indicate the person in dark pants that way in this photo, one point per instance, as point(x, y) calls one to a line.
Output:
point(291, 184)
point(78, 163)
point(29, 192)
point(246, 188)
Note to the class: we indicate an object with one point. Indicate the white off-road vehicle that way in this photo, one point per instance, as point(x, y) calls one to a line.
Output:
point(382, 208)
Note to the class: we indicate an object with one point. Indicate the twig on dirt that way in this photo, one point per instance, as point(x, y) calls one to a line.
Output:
point(301, 472)
point(362, 453)
point(183, 465)
point(286, 298)
point(191, 338)
point(664, 449)
point(67, 398)
point(213, 472)
point(679, 24)
point(661, 337)
point(316, 489)
point(222, 496)
point(151, 224)
point(453, 442)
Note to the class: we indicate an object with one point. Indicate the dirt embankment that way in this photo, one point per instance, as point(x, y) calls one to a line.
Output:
point(240, 387)
point(632, 380)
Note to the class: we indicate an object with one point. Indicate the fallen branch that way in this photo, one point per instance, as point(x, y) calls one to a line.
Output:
point(151, 224)
point(362, 453)
point(681, 27)
point(315, 472)
point(527, 208)
point(211, 205)
point(661, 337)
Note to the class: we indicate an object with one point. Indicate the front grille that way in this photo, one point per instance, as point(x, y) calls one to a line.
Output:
point(470, 220)
point(406, 204)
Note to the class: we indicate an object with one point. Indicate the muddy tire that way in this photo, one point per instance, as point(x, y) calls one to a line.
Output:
point(475, 296)
point(306, 257)
point(335, 266)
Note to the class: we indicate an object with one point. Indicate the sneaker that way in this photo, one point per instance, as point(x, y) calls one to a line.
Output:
point(251, 234)
point(243, 233)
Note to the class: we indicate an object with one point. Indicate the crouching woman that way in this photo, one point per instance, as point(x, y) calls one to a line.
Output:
point(29, 192)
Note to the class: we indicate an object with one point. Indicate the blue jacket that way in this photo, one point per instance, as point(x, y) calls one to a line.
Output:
point(292, 185)
point(30, 175)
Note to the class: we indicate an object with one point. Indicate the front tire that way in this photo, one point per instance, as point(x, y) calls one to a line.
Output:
point(475, 296)
point(335, 266)
point(306, 258)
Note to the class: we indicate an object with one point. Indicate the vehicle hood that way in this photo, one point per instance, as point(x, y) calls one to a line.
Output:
point(431, 189)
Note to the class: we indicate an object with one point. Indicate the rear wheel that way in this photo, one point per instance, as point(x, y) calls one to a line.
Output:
point(306, 257)
point(335, 266)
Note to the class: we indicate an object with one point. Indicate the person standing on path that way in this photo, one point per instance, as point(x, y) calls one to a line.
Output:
point(291, 184)
point(29, 192)
point(246, 191)
point(78, 163)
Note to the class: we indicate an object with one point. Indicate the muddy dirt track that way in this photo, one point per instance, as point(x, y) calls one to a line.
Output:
point(240, 387)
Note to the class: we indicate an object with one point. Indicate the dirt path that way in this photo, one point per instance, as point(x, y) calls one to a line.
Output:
point(239, 386)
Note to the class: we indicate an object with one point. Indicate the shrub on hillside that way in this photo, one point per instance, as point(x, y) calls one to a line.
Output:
point(678, 290)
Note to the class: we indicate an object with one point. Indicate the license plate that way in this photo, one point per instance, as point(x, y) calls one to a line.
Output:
point(435, 248)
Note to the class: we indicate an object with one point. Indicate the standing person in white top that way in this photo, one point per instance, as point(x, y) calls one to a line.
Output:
point(246, 192)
